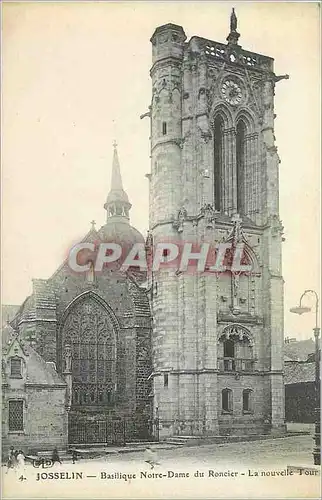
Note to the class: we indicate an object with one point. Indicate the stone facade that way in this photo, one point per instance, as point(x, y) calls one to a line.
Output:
point(40, 391)
point(214, 178)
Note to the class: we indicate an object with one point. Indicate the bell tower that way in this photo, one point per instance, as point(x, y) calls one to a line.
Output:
point(217, 337)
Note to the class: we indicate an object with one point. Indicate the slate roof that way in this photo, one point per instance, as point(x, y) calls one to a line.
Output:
point(300, 350)
point(121, 232)
point(27, 310)
point(43, 294)
point(42, 298)
point(38, 371)
point(296, 372)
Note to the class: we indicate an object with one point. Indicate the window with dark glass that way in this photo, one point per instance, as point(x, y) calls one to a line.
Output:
point(15, 367)
point(229, 355)
point(247, 394)
point(227, 400)
point(15, 415)
point(164, 128)
point(218, 157)
point(166, 380)
point(240, 162)
point(229, 348)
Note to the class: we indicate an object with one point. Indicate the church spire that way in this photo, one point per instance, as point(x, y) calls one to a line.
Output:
point(233, 36)
point(117, 202)
point(116, 183)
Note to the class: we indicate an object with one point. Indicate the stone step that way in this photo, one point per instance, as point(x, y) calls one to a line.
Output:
point(179, 442)
point(201, 440)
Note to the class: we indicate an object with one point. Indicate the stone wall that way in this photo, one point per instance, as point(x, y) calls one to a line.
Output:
point(190, 311)
point(42, 328)
point(45, 420)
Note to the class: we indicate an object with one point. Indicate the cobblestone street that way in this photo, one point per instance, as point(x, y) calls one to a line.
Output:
point(295, 450)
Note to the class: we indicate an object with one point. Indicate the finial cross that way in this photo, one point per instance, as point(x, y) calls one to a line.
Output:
point(114, 144)
point(93, 222)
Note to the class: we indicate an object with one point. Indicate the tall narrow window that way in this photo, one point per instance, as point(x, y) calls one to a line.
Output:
point(166, 380)
point(240, 162)
point(164, 128)
point(15, 368)
point(247, 400)
point(15, 415)
point(227, 400)
point(229, 355)
point(229, 348)
point(218, 154)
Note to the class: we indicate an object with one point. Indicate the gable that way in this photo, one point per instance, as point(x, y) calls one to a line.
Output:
point(35, 369)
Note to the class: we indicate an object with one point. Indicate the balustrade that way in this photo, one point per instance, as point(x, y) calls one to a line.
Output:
point(236, 364)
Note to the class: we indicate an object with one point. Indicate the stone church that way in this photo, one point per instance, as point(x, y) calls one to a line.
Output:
point(95, 329)
point(165, 353)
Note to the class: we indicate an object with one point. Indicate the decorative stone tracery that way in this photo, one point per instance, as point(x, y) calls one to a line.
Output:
point(236, 330)
point(89, 343)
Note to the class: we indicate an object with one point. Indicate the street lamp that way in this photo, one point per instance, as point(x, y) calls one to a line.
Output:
point(301, 310)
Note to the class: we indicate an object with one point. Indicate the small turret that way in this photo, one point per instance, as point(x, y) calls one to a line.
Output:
point(167, 41)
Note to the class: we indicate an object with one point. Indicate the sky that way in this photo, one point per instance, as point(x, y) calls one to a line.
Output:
point(75, 77)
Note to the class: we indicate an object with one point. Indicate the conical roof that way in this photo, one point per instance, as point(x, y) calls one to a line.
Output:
point(117, 193)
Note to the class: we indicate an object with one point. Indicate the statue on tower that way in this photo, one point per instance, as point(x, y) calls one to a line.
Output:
point(233, 21)
point(233, 36)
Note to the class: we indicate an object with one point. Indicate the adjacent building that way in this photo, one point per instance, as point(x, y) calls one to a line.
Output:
point(33, 398)
point(299, 379)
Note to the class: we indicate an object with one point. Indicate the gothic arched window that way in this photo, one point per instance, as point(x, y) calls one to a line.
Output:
point(235, 350)
point(88, 329)
point(240, 162)
point(218, 160)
